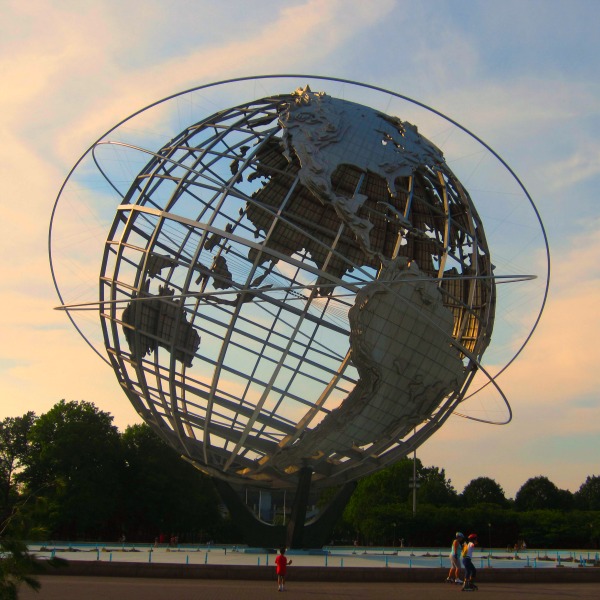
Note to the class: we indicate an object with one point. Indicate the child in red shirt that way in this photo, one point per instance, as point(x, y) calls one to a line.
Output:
point(281, 563)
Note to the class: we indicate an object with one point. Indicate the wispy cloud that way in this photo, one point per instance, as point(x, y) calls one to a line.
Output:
point(292, 36)
point(71, 70)
point(559, 365)
point(581, 165)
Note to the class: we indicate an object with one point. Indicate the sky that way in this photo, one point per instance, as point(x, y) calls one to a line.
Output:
point(524, 75)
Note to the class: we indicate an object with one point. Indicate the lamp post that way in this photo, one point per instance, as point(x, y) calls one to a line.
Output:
point(394, 538)
point(413, 482)
point(489, 539)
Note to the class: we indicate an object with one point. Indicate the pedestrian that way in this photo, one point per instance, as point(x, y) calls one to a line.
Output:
point(467, 557)
point(455, 556)
point(281, 563)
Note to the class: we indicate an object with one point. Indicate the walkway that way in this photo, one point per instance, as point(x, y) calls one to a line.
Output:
point(123, 588)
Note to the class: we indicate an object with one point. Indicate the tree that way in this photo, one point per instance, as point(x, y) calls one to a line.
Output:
point(588, 495)
point(14, 434)
point(74, 462)
point(385, 487)
point(17, 567)
point(380, 507)
point(435, 489)
point(379, 501)
point(539, 493)
point(483, 490)
point(164, 493)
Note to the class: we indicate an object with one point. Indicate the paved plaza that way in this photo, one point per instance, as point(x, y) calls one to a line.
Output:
point(125, 588)
point(106, 573)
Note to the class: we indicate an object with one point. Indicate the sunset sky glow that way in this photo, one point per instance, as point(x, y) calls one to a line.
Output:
point(524, 75)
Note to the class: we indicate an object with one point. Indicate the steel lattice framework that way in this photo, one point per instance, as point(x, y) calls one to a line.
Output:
point(295, 291)
point(239, 279)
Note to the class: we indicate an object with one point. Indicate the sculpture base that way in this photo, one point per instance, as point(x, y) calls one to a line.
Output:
point(296, 534)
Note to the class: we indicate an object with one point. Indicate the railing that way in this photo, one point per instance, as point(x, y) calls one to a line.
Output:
point(332, 556)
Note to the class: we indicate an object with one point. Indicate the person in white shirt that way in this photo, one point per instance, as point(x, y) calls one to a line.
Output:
point(467, 557)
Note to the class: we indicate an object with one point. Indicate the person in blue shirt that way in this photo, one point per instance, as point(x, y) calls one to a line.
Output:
point(455, 555)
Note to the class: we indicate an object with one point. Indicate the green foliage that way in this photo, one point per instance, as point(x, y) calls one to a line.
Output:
point(388, 486)
point(495, 526)
point(435, 489)
point(16, 568)
point(164, 493)
point(74, 461)
point(588, 495)
point(380, 511)
point(483, 490)
point(539, 493)
point(385, 498)
point(70, 474)
point(558, 528)
point(81, 479)
point(542, 527)
point(14, 434)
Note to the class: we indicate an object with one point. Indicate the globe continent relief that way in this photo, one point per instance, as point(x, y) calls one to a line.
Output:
point(305, 282)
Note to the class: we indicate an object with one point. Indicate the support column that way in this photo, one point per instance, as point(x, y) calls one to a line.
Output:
point(257, 533)
point(295, 528)
point(318, 533)
point(297, 534)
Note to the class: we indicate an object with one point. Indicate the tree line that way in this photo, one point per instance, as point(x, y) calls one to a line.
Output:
point(69, 474)
point(541, 515)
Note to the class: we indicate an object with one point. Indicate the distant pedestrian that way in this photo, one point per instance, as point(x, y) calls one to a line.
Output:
point(467, 556)
point(281, 563)
point(455, 556)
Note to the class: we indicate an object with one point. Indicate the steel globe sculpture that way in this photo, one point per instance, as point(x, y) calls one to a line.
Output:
point(295, 291)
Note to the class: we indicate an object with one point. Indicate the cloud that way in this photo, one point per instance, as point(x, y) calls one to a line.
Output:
point(581, 165)
point(544, 385)
point(71, 70)
point(564, 343)
point(89, 87)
